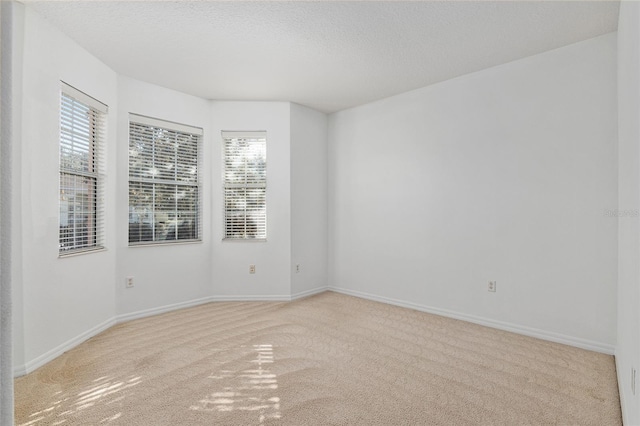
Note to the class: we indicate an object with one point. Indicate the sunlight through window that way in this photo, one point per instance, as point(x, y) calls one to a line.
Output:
point(254, 388)
point(103, 390)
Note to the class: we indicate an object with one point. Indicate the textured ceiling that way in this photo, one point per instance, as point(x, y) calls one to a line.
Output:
point(326, 55)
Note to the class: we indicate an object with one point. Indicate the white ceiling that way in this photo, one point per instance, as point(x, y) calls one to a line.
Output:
point(326, 55)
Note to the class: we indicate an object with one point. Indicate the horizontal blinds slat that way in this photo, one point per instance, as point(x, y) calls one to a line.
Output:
point(185, 183)
point(82, 129)
point(164, 190)
point(162, 212)
point(245, 161)
point(245, 217)
point(229, 134)
point(245, 182)
point(78, 135)
point(162, 154)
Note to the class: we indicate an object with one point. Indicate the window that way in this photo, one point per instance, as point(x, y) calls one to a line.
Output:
point(82, 127)
point(164, 181)
point(245, 185)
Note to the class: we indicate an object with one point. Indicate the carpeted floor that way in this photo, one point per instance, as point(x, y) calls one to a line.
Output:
point(329, 359)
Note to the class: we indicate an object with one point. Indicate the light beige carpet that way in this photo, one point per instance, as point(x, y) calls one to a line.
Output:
point(329, 359)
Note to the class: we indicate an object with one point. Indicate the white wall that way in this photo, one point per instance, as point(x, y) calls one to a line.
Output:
point(8, 55)
point(60, 302)
point(164, 275)
point(14, 205)
point(308, 200)
point(231, 259)
point(62, 298)
point(502, 175)
point(628, 344)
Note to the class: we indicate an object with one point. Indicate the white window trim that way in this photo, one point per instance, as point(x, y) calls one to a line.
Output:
point(84, 98)
point(99, 148)
point(228, 134)
point(175, 128)
point(165, 124)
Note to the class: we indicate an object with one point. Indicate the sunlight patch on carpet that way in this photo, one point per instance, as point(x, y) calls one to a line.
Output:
point(98, 392)
point(254, 388)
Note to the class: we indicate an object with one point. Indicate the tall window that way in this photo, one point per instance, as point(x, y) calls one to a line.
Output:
point(82, 126)
point(245, 185)
point(164, 181)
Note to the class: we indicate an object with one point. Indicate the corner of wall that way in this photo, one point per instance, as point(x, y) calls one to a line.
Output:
point(627, 353)
point(308, 189)
point(12, 63)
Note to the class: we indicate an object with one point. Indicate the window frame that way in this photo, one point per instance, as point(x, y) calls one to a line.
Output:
point(77, 135)
point(157, 127)
point(227, 185)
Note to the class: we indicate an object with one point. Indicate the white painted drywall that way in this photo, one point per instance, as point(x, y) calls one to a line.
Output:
point(628, 342)
point(62, 297)
point(505, 175)
point(231, 259)
point(7, 56)
point(308, 200)
point(14, 148)
point(60, 302)
point(163, 274)
point(324, 54)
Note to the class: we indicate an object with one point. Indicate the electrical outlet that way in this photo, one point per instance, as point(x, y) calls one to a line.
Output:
point(129, 282)
point(633, 380)
point(252, 269)
point(298, 268)
point(492, 286)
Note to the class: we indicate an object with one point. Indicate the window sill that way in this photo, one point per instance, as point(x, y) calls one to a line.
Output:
point(74, 253)
point(159, 244)
point(244, 240)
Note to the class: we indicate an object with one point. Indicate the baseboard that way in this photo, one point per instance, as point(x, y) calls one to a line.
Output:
point(308, 293)
point(162, 309)
point(230, 298)
point(20, 370)
point(515, 328)
point(59, 350)
point(38, 362)
point(251, 298)
point(500, 325)
point(622, 394)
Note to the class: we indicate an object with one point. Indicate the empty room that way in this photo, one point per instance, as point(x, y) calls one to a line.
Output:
point(320, 213)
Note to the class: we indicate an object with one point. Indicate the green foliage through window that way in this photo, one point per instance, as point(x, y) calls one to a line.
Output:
point(164, 185)
point(245, 185)
point(82, 120)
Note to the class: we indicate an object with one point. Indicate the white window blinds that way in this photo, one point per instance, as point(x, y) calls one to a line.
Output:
point(164, 181)
point(82, 130)
point(245, 185)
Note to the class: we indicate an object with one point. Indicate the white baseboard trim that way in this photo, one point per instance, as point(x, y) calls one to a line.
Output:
point(500, 325)
point(308, 293)
point(230, 298)
point(38, 362)
point(621, 392)
point(252, 298)
point(161, 309)
point(59, 350)
point(20, 370)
